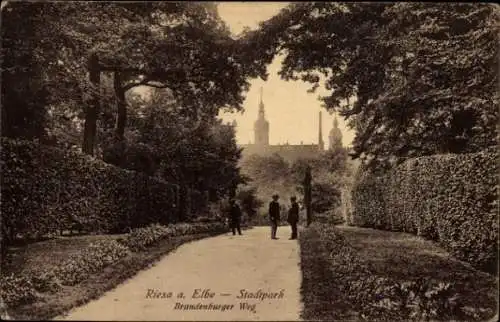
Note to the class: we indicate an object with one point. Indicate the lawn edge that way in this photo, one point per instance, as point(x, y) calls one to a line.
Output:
point(104, 281)
point(315, 279)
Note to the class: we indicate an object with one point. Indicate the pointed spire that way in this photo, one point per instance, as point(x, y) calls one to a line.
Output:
point(261, 105)
point(261, 126)
point(335, 123)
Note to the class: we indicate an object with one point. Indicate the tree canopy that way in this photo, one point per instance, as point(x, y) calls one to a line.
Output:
point(411, 78)
point(271, 174)
point(184, 47)
point(69, 67)
point(197, 153)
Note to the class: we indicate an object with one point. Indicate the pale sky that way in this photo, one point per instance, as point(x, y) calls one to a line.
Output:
point(290, 110)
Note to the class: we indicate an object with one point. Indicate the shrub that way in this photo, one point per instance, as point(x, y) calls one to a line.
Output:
point(367, 200)
point(216, 226)
point(376, 297)
point(141, 238)
point(22, 289)
point(45, 281)
point(346, 206)
point(46, 190)
point(331, 216)
point(325, 196)
point(203, 219)
point(451, 199)
point(90, 260)
point(420, 300)
point(16, 290)
point(248, 200)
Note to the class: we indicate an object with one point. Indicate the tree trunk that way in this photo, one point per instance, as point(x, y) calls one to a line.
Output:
point(121, 104)
point(308, 195)
point(232, 191)
point(92, 109)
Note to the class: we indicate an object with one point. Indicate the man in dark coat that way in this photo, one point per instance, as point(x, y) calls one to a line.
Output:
point(293, 217)
point(274, 215)
point(235, 217)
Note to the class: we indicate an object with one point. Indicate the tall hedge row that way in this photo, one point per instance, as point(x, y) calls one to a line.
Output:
point(452, 199)
point(46, 190)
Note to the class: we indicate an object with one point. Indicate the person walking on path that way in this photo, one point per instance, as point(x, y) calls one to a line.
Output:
point(274, 215)
point(293, 217)
point(235, 217)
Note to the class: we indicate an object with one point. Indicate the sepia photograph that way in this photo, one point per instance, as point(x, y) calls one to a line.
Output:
point(249, 161)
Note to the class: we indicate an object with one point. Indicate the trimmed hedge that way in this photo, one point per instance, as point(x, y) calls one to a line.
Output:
point(22, 289)
point(451, 199)
point(47, 190)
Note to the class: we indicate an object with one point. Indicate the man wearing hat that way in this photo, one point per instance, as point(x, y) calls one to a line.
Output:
point(235, 216)
point(274, 215)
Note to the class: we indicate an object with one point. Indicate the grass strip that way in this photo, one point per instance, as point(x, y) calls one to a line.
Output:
point(321, 297)
point(365, 274)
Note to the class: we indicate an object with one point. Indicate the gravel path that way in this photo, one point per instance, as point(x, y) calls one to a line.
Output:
point(215, 271)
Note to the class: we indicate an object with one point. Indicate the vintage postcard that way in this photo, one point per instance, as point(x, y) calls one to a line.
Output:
point(249, 161)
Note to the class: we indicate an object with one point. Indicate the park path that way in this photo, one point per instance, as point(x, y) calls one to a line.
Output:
point(224, 265)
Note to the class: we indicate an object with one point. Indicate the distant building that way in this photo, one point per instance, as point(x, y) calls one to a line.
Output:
point(290, 152)
point(335, 136)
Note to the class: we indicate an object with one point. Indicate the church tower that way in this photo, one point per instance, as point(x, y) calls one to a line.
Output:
point(321, 143)
point(335, 135)
point(261, 126)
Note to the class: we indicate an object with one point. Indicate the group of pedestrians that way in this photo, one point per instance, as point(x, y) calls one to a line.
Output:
point(274, 216)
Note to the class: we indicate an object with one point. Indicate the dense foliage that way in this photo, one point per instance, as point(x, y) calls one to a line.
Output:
point(197, 152)
point(184, 47)
point(328, 171)
point(452, 199)
point(24, 94)
point(248, 201)
point(332, 216)
point(89, 261)
point(273, 174)
point(71, 78)
point(141, 238)
point(413, 79)
point(18, 289)
point(268, 175)
point(48, 190)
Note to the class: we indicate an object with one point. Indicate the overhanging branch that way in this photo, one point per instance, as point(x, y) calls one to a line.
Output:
point(147, 81)
point(156, 85)
point(135, 84)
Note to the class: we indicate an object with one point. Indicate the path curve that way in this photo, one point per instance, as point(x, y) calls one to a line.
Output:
point(221, 264)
